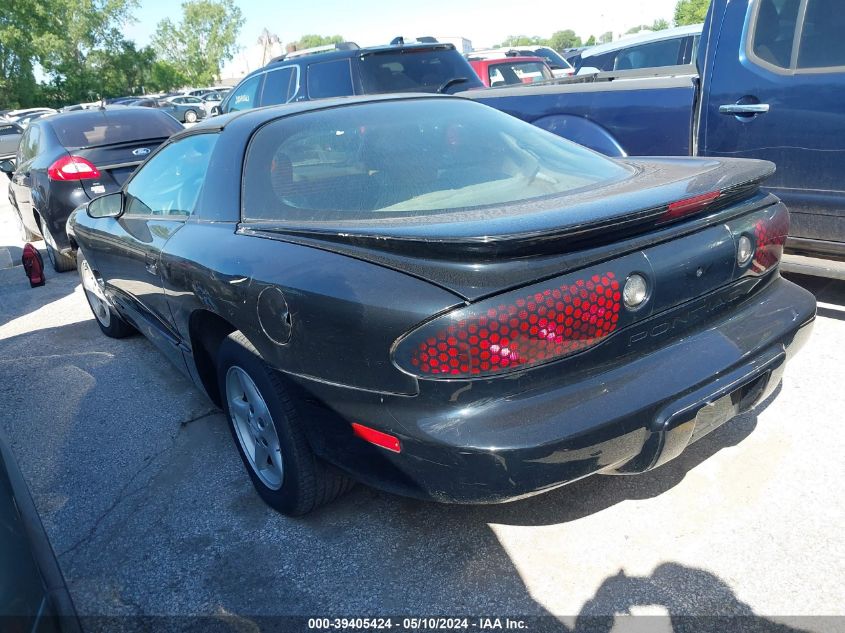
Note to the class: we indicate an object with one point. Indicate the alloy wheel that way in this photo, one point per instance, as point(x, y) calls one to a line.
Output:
point(254, 427)
point(94, 294)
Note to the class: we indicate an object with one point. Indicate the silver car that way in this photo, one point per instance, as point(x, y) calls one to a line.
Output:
point(10, 137)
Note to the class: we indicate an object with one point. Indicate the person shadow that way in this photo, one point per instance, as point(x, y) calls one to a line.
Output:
point(695, 601)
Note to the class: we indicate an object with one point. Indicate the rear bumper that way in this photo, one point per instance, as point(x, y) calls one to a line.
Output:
point(502, 439)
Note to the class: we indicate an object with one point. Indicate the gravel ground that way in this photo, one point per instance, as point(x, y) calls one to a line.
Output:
point(150, 512)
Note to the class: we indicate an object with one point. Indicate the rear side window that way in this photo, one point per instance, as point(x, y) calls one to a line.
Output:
point(651, 55)
point(29, 143)
point(396, 160)
point(823, 35)
point(279, 86)
point(518, 73)
point(330, 79)
point(8, 130)
point(246, 96)
point(169, 184)
point(93, 127)
point(602, 62)
point(774, 31)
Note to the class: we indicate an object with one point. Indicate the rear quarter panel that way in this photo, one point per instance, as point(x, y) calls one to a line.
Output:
point(337, 317)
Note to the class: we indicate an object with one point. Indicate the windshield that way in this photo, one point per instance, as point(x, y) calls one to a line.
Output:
point(397, 159)
point(416, 70)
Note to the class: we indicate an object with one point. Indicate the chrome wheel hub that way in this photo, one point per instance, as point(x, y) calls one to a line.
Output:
point(254, 428)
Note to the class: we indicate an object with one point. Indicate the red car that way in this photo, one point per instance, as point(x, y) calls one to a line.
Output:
point(511, 70)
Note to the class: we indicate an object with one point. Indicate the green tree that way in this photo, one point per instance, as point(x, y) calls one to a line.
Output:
point(76, 38)
point(310, 41)
point(604, 38)
point(522, 40)
point(591, 41)
point(205, 38)
point(165, 76)
point(657, 25)
point(690, 11)
point(564, 39)
point(20, 22)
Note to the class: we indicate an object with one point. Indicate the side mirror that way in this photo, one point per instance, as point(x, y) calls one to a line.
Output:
point(8, 167)
point(588, 70)
point(107, 206)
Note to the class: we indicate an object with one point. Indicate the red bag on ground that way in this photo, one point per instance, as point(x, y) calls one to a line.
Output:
point(33, 265)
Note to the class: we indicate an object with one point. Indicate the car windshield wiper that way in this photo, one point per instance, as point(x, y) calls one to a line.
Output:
point(455, 80)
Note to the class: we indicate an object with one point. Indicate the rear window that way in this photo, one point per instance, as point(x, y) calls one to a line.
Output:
point(93, 128)
point(402, 159)
point(424, 70)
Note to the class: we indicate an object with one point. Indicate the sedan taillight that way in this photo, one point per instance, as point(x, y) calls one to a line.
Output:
point(518, 330)
point(72, 168)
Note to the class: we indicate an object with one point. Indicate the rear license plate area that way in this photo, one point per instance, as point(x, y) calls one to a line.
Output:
point(716, 413)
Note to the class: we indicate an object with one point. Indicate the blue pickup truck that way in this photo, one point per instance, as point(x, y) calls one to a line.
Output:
point(768, 82)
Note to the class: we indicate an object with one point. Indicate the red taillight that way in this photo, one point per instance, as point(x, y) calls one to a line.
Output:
point(493, 337)
point(770, 236)
point(72, 168)
point(689, 206)
point(377, 437)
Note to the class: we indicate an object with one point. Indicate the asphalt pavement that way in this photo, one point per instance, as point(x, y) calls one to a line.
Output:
point(150, 511)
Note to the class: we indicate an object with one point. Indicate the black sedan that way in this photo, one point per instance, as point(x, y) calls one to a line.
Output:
point(430, 296)
point(67, 159)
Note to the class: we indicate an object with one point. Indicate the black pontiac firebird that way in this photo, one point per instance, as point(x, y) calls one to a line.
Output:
point(430, 296)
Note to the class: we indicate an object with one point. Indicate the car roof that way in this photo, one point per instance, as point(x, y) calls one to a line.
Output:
point(642, 38)
point(259, 116)
point(346, 53)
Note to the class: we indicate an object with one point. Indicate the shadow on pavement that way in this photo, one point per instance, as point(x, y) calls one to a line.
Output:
point(827, 291)
point(17, 299)
point(694, 600)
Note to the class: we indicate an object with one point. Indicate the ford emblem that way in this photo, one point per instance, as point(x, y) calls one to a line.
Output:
point(141, 151)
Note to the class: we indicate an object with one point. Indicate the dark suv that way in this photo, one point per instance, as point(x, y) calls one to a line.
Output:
point(346, 69)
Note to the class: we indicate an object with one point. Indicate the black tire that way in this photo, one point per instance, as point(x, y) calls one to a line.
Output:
point(61, 263)
point(307, 483)
point(190, 116)
point(110, 322)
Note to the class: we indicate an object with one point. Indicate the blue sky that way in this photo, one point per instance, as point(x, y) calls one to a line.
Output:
point(367, 22)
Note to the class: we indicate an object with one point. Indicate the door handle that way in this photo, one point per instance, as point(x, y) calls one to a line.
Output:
point(744, 108)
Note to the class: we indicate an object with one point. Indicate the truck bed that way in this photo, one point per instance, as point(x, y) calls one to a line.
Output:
point(642, 112)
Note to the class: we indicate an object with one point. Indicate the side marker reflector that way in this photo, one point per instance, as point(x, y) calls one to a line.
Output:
point(377, 437)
